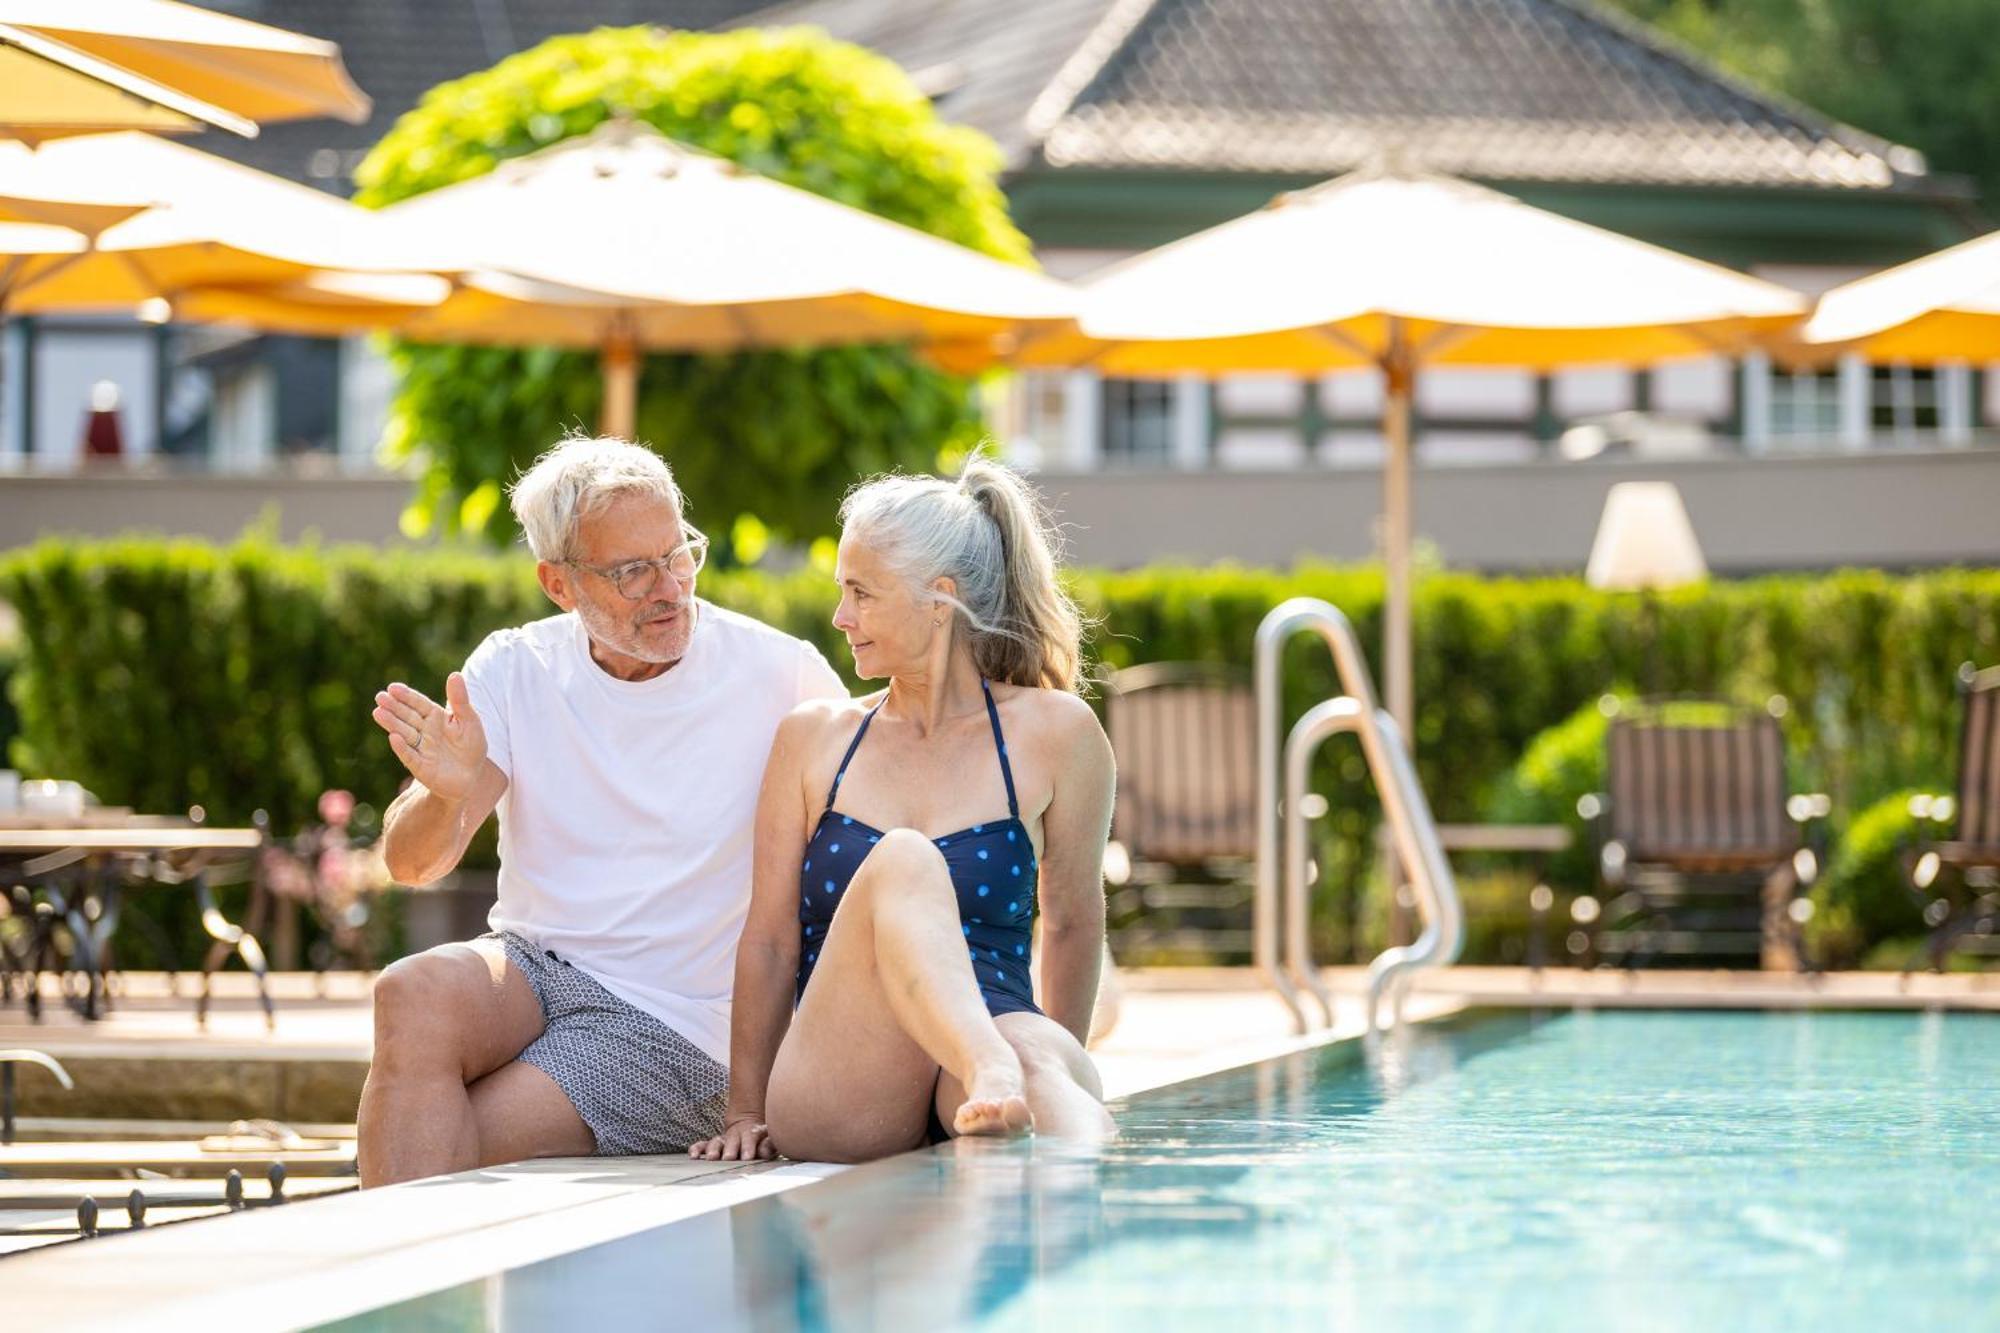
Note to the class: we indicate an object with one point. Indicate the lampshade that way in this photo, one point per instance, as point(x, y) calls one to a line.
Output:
point(1644, 540)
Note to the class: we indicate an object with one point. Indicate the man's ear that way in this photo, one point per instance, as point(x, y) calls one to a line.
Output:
point(555, 581)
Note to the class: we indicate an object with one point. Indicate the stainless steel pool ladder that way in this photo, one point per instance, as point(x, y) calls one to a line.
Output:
point(1413, 833)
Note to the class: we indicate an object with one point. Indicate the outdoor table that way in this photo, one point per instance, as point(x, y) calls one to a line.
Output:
point(97, 844)
point(1537, 842)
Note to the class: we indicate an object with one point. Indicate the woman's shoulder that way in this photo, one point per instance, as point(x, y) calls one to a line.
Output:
point(816, 717)
point(1060, 716)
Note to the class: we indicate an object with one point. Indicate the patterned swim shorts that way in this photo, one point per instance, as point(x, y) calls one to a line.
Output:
point(639, 1085)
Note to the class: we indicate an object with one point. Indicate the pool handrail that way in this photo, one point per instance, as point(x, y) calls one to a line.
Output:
point(1413, 831)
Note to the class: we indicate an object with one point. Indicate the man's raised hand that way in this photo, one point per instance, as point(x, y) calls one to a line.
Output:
point(443, 745)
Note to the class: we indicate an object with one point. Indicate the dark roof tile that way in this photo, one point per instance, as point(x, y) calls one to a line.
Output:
point(1556, 90)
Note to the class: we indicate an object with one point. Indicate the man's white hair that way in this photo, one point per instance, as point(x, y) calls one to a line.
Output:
point(574, 480)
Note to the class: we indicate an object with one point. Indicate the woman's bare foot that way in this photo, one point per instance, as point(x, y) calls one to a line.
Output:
point(995, 1104)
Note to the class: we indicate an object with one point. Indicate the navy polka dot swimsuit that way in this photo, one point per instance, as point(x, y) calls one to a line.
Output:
point(992, 867)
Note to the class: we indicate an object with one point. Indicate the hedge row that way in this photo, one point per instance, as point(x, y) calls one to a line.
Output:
point(167, 673)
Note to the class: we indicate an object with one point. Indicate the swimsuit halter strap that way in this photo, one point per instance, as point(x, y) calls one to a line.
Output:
point(833, 792)
point(1000, 743)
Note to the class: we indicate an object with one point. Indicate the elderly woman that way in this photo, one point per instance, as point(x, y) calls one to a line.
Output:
point(907, 841)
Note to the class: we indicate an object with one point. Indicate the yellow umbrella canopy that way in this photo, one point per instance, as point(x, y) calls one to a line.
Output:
point(54, 90)
point(68, 67)
point(1943, 307)
point(1401, 272)
point(625, 240)
point(82, 245)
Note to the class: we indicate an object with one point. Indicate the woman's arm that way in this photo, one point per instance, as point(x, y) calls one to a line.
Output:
point(1075, 828)
point(767, 956)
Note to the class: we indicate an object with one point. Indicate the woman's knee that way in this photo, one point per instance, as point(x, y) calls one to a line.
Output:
point(904, 861)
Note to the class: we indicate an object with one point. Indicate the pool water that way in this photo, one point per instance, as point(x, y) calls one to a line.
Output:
point(1576, 1170)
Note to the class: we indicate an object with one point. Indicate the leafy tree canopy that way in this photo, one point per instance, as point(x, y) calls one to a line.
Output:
point(762, 442)
point(1919, 72)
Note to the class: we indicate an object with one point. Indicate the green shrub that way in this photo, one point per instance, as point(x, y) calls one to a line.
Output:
point(1560, 767)
point(1864, 898)
point(777, 435)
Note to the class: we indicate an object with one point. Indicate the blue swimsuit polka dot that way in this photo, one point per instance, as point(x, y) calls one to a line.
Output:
point(997, 933)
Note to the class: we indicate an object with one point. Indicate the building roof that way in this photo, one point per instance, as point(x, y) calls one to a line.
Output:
point(397, 50)
point(1523, 90)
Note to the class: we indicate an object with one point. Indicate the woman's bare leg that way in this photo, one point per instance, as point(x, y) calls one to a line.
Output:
point(1065, 1094)
point(893, 1001)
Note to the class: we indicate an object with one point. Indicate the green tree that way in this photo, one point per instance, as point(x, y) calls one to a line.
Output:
point(767, 437)
point(1919, 72)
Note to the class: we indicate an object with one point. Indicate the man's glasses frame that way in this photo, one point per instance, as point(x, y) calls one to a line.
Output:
point(635, 579)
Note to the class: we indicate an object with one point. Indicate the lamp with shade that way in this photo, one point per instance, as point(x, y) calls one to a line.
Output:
point(1645, 544)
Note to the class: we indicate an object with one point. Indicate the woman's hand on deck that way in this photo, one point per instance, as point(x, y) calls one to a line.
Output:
point(742, 1140)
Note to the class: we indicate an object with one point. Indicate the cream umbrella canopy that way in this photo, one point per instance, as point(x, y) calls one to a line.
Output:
point(70, 67)
point(624, 240)
point(1401, 272)
point(176, 221)
point(1942, 307)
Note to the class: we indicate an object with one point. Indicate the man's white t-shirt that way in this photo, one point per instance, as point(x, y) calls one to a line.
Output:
point(625, 830)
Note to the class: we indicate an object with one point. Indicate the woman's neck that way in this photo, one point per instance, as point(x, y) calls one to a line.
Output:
point(949, 689)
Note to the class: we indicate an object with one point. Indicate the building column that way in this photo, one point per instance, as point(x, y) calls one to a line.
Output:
point(1083, 420)
point(15, 366)
point(1955, 407)
point(1853, 400)
point(1756, 403)
point(1191, 423)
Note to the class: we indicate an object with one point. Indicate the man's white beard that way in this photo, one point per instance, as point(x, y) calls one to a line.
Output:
point(623, 637)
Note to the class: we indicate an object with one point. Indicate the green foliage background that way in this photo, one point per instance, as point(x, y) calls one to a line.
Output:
point(162, 674)
point(779, 434)
point(1919, 72)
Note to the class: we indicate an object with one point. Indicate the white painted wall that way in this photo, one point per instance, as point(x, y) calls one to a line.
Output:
point(367, 384)
point(67, 363)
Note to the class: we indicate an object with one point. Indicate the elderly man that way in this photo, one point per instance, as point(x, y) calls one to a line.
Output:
point(621, 743)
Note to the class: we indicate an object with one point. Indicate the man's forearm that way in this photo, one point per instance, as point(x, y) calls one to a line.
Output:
point(423, 836)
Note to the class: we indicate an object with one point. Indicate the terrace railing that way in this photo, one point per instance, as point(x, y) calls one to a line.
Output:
point(1413, 833)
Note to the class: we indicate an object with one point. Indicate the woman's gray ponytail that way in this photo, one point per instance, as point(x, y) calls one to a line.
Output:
point(989, 533)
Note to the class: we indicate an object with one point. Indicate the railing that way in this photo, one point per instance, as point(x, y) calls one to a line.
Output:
point(1413, 833)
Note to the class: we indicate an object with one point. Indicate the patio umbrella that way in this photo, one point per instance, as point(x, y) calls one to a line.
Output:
point(625, 241)
point(1942, 307)
point(177, 220)
point(1402, 272)
point(68, 67)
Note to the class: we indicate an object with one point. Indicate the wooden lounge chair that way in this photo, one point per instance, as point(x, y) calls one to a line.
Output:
point(1184, 735)
point(1957, 881)
point(1703, 849)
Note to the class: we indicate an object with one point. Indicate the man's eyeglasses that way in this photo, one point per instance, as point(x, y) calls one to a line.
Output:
point(636, 579)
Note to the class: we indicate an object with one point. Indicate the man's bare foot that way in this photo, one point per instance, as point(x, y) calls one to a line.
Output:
point(994, 1105)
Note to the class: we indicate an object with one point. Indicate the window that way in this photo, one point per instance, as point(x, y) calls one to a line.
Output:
point(1902, 400)
point(1139, 421)
point(1805, 403)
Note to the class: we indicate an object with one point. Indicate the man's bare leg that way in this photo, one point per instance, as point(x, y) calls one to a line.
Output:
point(521, 1113)
point(444, 1019)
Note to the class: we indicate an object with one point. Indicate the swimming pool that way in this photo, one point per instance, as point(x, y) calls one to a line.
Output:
point(1572, 1170)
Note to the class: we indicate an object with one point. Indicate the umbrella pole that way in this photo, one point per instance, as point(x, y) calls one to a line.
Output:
point(1396, 537)
point(1399, 376)
point(620, 359)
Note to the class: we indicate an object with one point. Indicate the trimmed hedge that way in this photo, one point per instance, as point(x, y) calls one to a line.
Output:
point(165, 673)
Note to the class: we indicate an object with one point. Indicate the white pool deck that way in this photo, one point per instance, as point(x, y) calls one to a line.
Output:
point(322, 1260)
